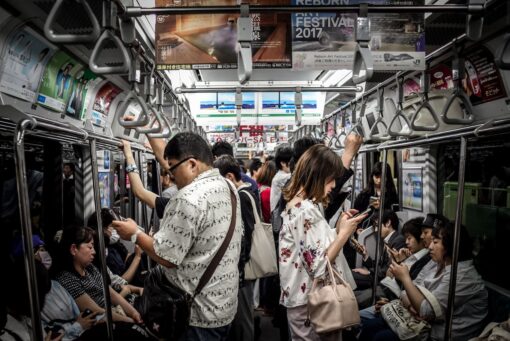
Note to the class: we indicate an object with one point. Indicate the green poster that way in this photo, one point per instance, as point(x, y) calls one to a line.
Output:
point(58, 81)
point(83, 82)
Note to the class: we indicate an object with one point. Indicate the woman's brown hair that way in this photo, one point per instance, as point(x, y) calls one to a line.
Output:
point(267, 173)
point(318, 166)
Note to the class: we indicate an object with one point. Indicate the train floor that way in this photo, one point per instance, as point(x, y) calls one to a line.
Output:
point(267, 331)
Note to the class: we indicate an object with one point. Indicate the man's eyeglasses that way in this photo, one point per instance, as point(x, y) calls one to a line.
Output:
point(174, 167)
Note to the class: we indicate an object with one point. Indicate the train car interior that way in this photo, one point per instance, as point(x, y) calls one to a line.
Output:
point(95, 96)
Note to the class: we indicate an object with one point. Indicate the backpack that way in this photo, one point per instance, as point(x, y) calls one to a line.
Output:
point(276, 215)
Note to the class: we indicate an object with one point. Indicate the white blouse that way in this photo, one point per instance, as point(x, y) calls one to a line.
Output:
point(305, 226)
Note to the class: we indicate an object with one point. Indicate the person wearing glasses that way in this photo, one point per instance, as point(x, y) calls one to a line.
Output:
point(194, 225)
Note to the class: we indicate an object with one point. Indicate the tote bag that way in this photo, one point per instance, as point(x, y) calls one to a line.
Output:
point(404, 324)
point(262, 261)
point(333, 305)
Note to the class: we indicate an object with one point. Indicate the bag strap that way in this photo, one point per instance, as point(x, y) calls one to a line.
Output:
point(221, 251)
point(253, 207)
point(432, 300)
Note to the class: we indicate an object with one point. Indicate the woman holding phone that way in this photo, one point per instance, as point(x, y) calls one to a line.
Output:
point(306, 240)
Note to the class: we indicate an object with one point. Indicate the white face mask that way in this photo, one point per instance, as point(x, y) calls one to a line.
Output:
point(114, 238)
point(45, 259)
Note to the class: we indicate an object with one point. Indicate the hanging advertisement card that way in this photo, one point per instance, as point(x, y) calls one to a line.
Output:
point(220, 108)
point(412, 188)
point(85, 80)
point(482, 82)
point(58, 81)
point(23, 64)
point(101, 107)
point(280, 107)
point(104, 188)
point(325, 41)
point(209, 41)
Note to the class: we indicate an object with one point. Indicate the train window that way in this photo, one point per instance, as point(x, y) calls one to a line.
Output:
point(486, 207)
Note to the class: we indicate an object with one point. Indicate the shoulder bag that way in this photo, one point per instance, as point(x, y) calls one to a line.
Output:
point(405, 324)
point(331, 303)
point(164, 307)
point(262, 261)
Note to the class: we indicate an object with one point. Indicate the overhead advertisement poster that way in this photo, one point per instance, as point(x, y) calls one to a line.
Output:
point(84, 82)
point(23, 64)
point(102, 102)
point(220, 108)
point(58, 81)
point(326, 41)
point(280, 108)
point(208, 41)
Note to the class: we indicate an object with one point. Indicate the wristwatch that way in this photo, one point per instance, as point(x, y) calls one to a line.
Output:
point(134, 236)
point(131, 168)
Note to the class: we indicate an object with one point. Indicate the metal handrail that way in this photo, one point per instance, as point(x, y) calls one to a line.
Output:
point(458, 93)
point(71, 38)
point(107, 35)
point(425, 104)
point(400, 113)
point(362, 55)
point(500, 60)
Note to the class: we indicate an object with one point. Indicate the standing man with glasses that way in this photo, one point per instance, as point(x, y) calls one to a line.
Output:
point(194, 225)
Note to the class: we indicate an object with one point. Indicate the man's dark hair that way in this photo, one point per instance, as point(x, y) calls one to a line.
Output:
point(255, 165)
point(389, 215)
point(283, 154)
point(227, 164)
point(300, 147)
point(413, 227)
point(222, 148)
point(188, 144)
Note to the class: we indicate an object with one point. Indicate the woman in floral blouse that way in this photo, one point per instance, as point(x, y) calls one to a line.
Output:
point(306, 238)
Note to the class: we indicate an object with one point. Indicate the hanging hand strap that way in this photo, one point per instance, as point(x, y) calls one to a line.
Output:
point(219, 255)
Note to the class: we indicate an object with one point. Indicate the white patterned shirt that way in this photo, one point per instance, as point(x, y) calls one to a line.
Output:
point(305, 226)
point(194, 225)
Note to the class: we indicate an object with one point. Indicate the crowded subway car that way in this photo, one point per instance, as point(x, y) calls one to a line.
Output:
point(254, 170)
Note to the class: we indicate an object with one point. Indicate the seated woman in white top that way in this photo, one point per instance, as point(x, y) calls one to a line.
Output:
point(306, 238)
point(470, 307)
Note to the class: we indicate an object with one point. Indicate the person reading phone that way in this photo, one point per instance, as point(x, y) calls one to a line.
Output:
point(389, 232)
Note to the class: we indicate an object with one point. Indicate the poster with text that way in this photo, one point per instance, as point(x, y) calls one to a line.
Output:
point(280, 107)
point(412, 188)
point(102, 102)
point(209, 41)
point(58, 81)
point(24, 61)
point(84, 82)
point(324, 41)
point(482, 82)
point(104, 188)
point(220, 108)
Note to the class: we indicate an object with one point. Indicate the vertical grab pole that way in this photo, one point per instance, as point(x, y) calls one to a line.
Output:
point(26, 226)
point(157, 173)
point(456, 238)
point(353, 193)
point(143, 218)
point(104, 272)
point(380, 222)
point(122, 185)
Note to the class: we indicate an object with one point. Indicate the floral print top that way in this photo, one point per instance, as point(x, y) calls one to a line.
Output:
point(304, 238)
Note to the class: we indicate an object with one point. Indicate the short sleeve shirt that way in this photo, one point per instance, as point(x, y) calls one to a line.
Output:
point(91, 284)
point(194, 225)
point(304, 238)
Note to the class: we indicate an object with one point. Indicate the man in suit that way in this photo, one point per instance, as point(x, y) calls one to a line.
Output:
point(391, 239)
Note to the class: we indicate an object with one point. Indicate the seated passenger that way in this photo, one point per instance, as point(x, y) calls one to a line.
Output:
point(470, 302)
point(83, 280)
point(391, 238)
point(129, 266)
point(414, 256)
